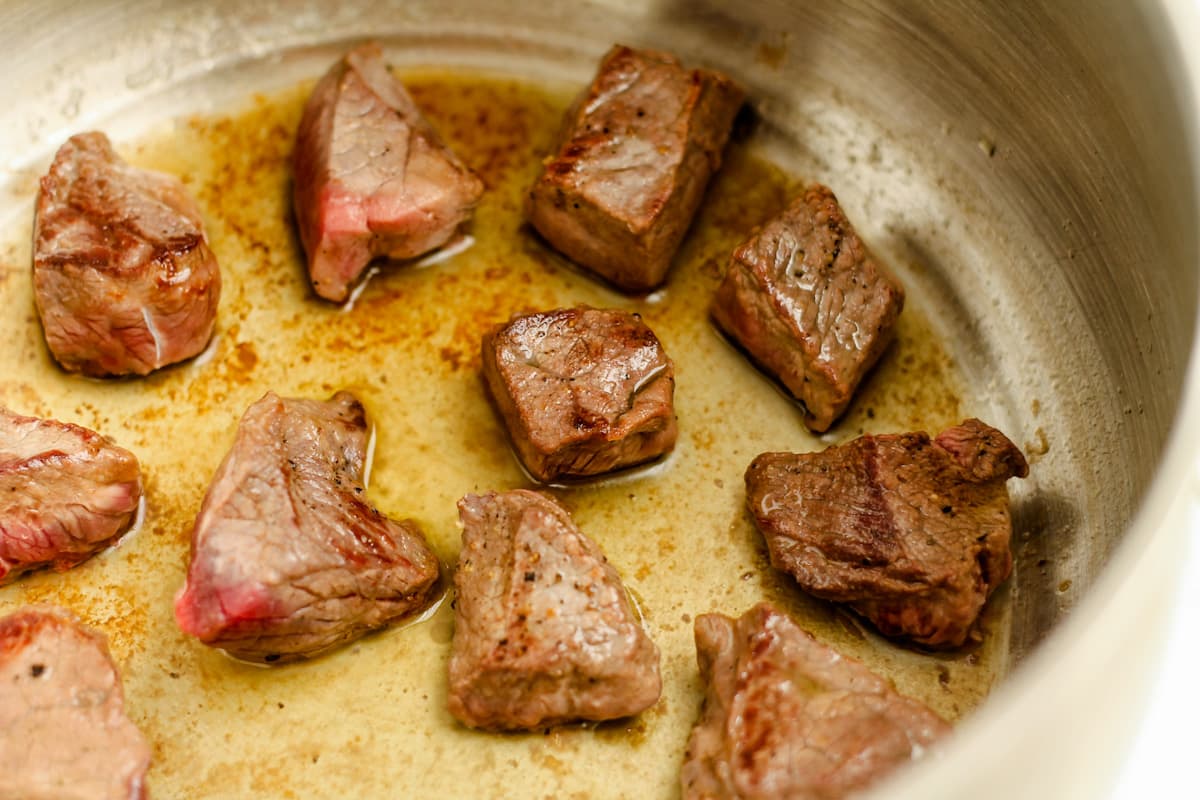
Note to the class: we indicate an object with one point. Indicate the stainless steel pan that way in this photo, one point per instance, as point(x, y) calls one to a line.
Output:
point(1032, 171)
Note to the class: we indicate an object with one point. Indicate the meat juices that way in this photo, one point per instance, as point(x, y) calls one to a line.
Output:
point(810, 304)
point(914, 534)
point(637, 150)
point(63, 729)
point(123, 277)
point(288, 559)
point(583, 391)
point(787, 717)
point(372, 177)
point(65, 493)
point(544, 632)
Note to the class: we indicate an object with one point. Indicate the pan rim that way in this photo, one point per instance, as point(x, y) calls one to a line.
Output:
point(1135, 591)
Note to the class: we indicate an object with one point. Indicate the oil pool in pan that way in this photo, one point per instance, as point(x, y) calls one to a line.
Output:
point(370, 720)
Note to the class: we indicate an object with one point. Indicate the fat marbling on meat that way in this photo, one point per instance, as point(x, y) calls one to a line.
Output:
point(123, 277)
point(787, 718)
point(288, 558)
point(66, 492)
point(582, 391)
point(64, 734)
point(915, 534)
point(636, 154)
point(372, 176)
point(811, 304)
point(544, 632)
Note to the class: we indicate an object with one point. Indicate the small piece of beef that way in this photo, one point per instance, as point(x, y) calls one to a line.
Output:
point(372, 177)
point(288, 559)
point(122, 274)
point(544, 632)
point(913, 534)
point(637, 150)
point(63, 730)
point(583, 391)
point(787, 717)
point(65, 493)
point(810, 304)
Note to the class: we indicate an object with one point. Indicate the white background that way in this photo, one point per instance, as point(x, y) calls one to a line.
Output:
point(1165, 759)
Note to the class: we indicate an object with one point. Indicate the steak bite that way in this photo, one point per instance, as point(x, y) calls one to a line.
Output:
point(810, 304)
point(372, 176)
point(288, 559)
point(637, 150)
point(65, 493)
point(123, 277)
point(544, 632)
point(787, 717)
point(914, 534)
point(583, 391)
point(63, 729)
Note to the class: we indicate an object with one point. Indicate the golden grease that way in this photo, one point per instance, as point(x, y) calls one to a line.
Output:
point(370, 720)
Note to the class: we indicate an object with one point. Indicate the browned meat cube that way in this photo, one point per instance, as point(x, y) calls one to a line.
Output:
point(544, 632)
point(65, 493)
point(913, 534)
point(122, 274)
point(787, 718)
point(288, 559)
point(810, 304)
point(63, 729)
point(372, 176)
point(583, 391)
point(637, 151)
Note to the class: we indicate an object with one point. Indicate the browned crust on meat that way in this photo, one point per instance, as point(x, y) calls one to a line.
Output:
point(55, 492)
point(631, 242)
point(289, 559)
point(558, 430)
point(103, 312)
point(544, 631)
point(895, 525)
point(785, 716)
point(68, 729)
point(818, 318)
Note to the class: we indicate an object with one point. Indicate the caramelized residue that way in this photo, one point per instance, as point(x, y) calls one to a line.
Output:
point(370, 719)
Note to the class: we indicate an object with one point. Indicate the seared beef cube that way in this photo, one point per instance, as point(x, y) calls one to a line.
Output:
point(787, 717)
point(123, 277)
point(372, 176)
point(65, 493)
point(913, 534)
point(810, 304)
point(583, 391)
point(638, 149)
point(288, 559)
point(544, 632)
point(63, 729)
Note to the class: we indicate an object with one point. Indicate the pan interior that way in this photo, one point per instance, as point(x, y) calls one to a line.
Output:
point(1031, 251)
